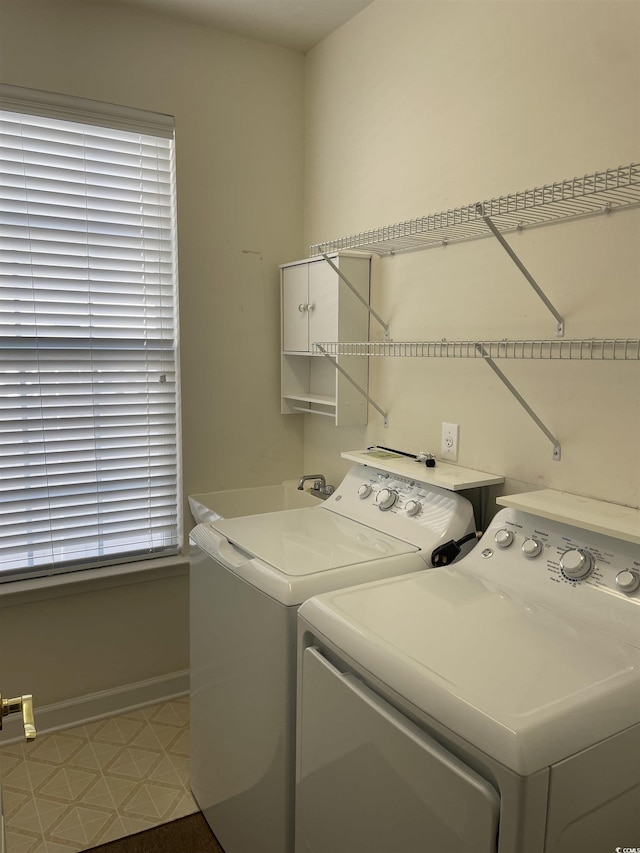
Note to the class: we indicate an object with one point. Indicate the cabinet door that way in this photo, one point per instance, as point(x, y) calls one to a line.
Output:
point(295, 314)
point(323, 303)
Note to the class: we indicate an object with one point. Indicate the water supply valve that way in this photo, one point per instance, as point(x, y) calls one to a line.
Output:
point(21, 704)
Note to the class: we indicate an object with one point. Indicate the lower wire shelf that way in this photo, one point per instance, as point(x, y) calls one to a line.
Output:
point(587, 349)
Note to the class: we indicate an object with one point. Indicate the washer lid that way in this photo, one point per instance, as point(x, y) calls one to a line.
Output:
point(309, 540)
point(294, 554)
point(518, 681)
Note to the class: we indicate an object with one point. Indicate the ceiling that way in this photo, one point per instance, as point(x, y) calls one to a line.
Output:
point(297, 24)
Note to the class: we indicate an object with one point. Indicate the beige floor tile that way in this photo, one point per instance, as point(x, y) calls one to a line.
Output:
point(172, 770)
point(186, 806)
point(68, 784)
point(25, 818)
point(152, 802)
point(23, 843)
point(181, 744)
point(75, 789)
point(80, 826)
point(49, 813)
point(118, 730)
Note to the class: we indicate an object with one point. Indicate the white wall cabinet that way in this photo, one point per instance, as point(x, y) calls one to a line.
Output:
point(317, 306)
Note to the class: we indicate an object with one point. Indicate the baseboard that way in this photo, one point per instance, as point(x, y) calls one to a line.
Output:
point(94, 706)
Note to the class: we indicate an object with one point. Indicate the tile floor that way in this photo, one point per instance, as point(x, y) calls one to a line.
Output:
point(71, 790)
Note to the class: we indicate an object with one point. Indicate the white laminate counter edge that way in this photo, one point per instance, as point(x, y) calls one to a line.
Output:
point(621, 522)
point(444, 475)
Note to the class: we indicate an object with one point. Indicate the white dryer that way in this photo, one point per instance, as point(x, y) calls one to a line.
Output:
point(491, 707)
point(248, 576)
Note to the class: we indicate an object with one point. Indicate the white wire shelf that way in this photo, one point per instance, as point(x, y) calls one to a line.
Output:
point(600, 192)
point(588, 349)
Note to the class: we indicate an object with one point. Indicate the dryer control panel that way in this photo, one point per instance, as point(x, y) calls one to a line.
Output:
point(567, 568)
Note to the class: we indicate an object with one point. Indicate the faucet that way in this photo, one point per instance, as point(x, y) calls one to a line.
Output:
point(320, 486)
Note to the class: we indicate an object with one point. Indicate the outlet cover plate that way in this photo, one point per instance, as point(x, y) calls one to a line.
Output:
point(449, 442)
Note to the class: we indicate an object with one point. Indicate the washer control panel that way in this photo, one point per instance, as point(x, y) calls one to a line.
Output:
point(404, 496)
point(402, 506)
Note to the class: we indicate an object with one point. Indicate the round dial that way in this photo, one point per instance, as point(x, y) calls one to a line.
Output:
point(531, 548)
point(413, 507)
point(386, 498)
point(503, 538)
point(576, 564)
point(364, 490)
point(627, 581)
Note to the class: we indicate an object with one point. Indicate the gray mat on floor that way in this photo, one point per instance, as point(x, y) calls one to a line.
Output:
point(189, 834)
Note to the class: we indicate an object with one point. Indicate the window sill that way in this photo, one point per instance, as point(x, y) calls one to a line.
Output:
point(91, 580)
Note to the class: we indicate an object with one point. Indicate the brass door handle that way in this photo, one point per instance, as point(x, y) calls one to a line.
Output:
point(24, 705)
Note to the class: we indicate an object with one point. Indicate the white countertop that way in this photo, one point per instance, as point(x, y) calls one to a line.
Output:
point(444, 475)
point(621, 522)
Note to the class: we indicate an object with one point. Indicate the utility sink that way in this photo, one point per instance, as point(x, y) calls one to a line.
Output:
point(234, 502)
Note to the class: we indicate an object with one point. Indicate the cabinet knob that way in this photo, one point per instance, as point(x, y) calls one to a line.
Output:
point(311, 307)
point(302, 308)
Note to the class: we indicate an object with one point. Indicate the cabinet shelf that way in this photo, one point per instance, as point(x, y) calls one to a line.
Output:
point(317, 399)
point(589, 195)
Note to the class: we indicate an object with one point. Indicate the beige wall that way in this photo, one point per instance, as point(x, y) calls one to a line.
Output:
point(239, 142)
point(238, 106)
point(416, 107)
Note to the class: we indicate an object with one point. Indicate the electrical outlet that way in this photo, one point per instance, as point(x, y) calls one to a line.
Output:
point(449, 442)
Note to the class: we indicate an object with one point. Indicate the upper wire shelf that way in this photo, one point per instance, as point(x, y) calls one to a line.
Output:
point(588, 349)
point(600, 192)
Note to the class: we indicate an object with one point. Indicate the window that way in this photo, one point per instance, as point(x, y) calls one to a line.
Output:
point(89, 461)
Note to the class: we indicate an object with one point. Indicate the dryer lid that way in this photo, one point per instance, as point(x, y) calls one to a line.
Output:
point(524, 684)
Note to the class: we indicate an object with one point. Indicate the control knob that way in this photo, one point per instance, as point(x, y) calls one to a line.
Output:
point(386, 498)
point(627, 581)
point(503, 538)
point(531, 548)
point(576, 564)
point(413, 508)
point(364, 490)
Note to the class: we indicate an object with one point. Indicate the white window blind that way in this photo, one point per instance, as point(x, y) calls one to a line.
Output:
point(89, 472)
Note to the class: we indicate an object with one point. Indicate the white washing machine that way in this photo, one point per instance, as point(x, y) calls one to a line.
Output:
point(491, 707)
point(248, 576)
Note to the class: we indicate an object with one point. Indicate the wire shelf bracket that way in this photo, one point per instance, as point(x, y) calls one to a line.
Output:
point(557, 453)
point(371, 311)
point(525, 272)
point(358, 387)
